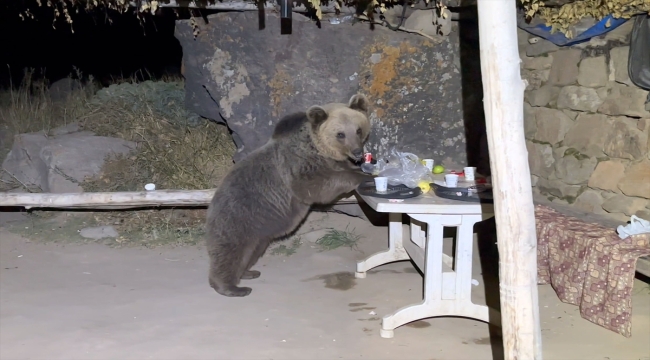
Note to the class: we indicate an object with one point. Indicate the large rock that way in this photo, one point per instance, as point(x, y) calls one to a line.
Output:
point(624, 204)
point(588, 134)
point(542, 96)
point(541, 47)
point(530, 123)
point(564, 70)
point(625, 140)
point(579, 98)
point(535, 78)
point(619, 61)
point(423, 21)
point(557, 188)
point(540, 159)
point(250, 78)
point(593, 72)
point(590, 201)
point(574, 170)
point(62, 89)
point(538, 63)
point(607, 175)
point(552, 125)
point(58, 164)
point(636, 181)
point(624, 100)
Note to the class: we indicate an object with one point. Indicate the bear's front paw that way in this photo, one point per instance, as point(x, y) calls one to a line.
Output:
point(235, 291)
point(251, 274)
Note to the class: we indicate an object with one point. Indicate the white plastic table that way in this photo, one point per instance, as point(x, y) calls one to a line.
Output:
point(445, 293)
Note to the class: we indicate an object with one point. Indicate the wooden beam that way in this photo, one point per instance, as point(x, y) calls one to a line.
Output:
point(513, 199)
point(117, 200)
point(236, 5)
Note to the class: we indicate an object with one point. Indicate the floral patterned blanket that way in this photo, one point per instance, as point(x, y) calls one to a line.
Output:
point(588, 265)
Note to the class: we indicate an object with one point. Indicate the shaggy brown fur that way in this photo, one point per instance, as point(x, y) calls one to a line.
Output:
point(307, 161)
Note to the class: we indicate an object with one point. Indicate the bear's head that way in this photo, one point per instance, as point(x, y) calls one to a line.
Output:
point(340, 130)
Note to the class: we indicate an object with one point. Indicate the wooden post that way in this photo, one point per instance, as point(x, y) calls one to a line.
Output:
point(513, 199)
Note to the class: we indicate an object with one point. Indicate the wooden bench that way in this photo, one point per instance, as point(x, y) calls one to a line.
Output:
point(643, 264)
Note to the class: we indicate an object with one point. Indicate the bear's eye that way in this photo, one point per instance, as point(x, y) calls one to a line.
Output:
point(358, 131)
point(340, 135)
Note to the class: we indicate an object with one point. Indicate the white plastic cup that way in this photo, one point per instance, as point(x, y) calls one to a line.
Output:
point(451, 180)
point(470, 172)
point(150, 187)
point(428, 163)
point(381, 184)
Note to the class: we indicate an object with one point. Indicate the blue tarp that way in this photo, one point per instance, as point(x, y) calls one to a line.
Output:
point(559, 39)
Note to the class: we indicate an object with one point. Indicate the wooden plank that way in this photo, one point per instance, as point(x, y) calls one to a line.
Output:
point(117, 200)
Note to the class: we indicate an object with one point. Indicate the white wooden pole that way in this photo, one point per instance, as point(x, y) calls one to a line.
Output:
point(116, 200)
point(513, 201)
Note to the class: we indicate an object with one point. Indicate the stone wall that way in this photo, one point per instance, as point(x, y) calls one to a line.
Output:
point(587, 125)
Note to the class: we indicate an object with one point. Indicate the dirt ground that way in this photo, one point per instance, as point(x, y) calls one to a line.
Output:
point(91, 301)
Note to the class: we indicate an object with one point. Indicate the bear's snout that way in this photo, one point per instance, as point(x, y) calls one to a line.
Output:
point(357, 153)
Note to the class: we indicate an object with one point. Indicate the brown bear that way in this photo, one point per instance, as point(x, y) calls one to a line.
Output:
point(311, 158)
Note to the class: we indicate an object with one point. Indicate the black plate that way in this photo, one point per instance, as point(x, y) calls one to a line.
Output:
point(392, 192)
point(463, 194)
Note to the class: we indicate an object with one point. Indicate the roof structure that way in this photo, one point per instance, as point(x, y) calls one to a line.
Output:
point(561, 15)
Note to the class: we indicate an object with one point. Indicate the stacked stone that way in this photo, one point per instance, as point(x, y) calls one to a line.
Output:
point(587, 125)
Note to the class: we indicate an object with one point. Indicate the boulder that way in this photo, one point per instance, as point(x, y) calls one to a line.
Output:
point(541, 47)
point(564, 70)
point(57, 164)
point(625, 140)
point(607, 175)
point(557, 188)
point(590, 201)
point(250, 78)
point(636, 181)
point(535, 78)
point(624, 100)
point(593, 72)
point(538, 63)
point(574, 170)
point(61, 89)
point(530, 123)
point(579, 98)
point(552, 125)
point(542, 96)
point(619, 60)
point(540, 159)
point(624, 204)
point(588, 134)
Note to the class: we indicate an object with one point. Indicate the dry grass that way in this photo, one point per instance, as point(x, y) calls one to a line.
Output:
point(29, 108)
point(171, 151)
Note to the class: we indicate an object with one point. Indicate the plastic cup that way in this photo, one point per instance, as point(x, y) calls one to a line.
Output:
point(451, 180)
point(469, 172)
point(150, 187)
point(381, 184)
point(429, 164)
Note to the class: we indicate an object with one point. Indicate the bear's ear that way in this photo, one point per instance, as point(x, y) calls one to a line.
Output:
point(360, 103)
point(316, 115)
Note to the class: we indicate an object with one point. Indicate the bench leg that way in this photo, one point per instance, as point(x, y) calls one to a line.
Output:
point(395, 250)
point(445, 293)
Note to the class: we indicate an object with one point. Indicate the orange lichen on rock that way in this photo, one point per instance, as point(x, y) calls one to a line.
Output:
point(281, 86)
point(387, 75)
point(384, 71)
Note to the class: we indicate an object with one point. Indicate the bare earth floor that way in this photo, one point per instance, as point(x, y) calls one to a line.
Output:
point(95, 302)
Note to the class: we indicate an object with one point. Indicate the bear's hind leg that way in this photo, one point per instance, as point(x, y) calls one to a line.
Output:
point(257, 253)
point(225, 272)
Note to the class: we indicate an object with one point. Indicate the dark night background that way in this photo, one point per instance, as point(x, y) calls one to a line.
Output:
point(123, 48)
